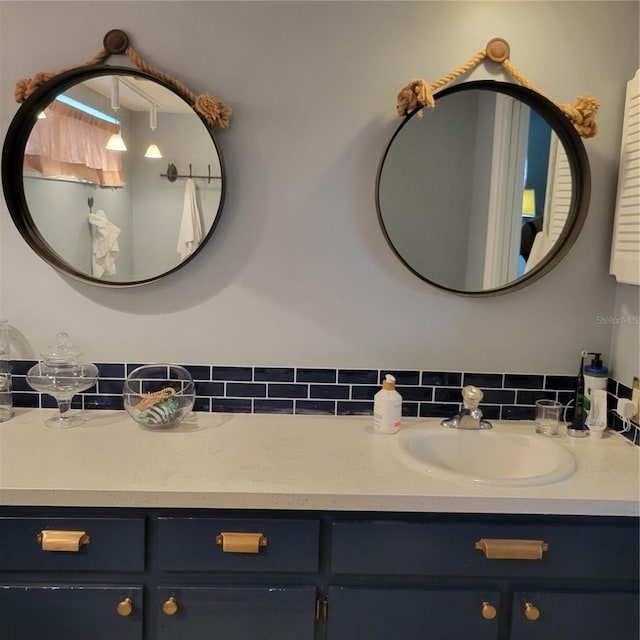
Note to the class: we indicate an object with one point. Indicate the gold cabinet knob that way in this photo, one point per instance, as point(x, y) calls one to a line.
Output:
point(488, 611)
point(531, 612)
point(125, 607)
point(170, 606)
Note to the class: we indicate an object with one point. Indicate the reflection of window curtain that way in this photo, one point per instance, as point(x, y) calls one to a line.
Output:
point(70, 142)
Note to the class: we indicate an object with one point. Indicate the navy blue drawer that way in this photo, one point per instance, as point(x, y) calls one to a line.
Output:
point(113, 544)
point(193, 544)
point(407, 548)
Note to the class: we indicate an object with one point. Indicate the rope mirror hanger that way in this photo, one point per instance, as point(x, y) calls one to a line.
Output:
point(215, 112)
point(420, 94)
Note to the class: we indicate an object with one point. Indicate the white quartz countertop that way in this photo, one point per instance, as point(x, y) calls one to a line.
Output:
point(241, 461)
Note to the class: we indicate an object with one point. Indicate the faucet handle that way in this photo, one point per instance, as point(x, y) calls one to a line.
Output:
point(471, 396)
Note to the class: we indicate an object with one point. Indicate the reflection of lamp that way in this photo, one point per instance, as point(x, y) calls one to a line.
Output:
point(42, 116)
point(116, 143)
point(152, 150)
point(529, 202)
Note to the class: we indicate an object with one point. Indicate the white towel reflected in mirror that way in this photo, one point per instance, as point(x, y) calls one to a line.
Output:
point(104, 244)
point(190, 234)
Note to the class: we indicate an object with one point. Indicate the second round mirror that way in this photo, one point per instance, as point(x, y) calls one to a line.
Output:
point(486, 192)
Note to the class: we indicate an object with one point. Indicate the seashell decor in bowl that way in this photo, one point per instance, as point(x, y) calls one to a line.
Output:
point(159, 396)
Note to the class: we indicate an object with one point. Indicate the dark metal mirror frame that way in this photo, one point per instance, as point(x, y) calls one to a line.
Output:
point(12, 169)
point(580, 173)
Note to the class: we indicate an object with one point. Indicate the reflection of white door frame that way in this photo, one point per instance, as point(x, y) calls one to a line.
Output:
point(510, 141)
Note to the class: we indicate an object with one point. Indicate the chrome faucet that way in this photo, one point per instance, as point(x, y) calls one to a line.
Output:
point(471, 416)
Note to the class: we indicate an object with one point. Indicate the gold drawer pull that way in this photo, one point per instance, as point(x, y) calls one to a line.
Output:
point(531, 612)
point(488, 611)
point(52, 540)
point(125, 608)
point(497, 549)
point(170, 606)
point(235, 542)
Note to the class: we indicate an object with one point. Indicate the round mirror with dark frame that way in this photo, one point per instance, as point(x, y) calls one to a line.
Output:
point(115, 218)
point(486, 192)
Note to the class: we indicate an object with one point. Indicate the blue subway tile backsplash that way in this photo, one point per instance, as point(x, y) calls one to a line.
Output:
point(523, 381)
point(483, 380)
point(232, 373)
point(273, 374)
point(326, 391)
point(328, 376)
point(441, 378)
point(358, 376)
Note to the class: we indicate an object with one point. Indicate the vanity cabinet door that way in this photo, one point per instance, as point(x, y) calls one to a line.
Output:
point(66, 612)
point(379, 614)
point(236, 613)
point(596, 616)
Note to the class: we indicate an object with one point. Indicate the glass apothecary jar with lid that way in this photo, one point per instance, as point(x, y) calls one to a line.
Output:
point(62, 374)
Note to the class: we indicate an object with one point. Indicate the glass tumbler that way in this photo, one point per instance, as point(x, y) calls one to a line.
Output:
point(548, 417)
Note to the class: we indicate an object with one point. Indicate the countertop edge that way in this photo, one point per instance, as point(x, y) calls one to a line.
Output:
point(317, 502)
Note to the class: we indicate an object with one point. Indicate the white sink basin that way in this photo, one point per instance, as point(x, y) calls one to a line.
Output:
point(491, 457)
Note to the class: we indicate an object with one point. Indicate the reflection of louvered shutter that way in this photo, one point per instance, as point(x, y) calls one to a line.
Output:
point(559, 190)
point(625, 249)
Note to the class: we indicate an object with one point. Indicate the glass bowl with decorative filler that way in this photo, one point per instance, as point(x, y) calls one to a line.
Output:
point(159, 396)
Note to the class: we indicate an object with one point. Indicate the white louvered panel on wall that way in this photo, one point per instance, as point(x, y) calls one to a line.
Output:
point(560, 188)
point(625, 249)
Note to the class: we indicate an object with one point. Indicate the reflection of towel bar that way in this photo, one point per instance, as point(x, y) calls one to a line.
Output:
point(172, 174)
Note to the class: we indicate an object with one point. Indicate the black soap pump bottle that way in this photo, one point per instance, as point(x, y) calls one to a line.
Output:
point(577, 428)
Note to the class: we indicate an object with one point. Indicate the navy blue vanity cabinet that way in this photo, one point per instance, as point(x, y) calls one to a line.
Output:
point(200, 574)
point(484, 577)
point(236, 578)
point(71, 578)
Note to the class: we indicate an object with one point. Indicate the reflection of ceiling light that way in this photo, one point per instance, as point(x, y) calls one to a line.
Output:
point(116, 143)
point(153, 152)
point(42, 116)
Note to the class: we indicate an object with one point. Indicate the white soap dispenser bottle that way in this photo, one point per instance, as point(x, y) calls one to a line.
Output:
point(387, 407)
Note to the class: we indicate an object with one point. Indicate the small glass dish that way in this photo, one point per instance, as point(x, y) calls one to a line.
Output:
point(159, 396)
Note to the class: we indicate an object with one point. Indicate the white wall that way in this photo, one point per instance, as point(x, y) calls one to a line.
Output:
point(298, 272)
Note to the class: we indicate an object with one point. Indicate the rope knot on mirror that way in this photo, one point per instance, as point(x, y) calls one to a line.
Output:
point(26, 86)
point(419, 93)
point(214, 111)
